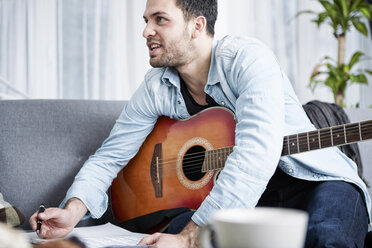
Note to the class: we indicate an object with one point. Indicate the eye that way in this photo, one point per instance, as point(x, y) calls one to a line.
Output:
point(160, 19)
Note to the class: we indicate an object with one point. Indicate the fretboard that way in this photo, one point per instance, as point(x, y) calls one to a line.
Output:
point(302, 142)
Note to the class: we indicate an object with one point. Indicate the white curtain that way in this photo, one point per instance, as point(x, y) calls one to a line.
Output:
point(94, 49)
point(74, 49)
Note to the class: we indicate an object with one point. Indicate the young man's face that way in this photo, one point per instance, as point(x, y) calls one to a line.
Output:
point(167, 34)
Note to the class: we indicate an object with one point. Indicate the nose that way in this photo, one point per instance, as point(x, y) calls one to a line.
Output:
point(148, 31)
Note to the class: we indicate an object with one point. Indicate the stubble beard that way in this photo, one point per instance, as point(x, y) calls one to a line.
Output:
point(176, 53)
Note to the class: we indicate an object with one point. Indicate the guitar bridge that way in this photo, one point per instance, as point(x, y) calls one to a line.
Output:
point(156, 171)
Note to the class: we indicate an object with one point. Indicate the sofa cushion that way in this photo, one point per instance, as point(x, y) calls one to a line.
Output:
point(10, 214)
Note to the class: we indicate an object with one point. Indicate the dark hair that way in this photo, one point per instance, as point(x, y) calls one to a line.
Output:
point(195, 8)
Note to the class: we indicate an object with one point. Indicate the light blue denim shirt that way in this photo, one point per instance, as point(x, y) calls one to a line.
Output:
point(245, 77)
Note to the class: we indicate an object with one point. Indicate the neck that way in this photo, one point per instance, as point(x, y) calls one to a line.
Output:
point(195, 73)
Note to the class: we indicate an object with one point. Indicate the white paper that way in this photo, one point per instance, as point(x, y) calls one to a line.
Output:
point(100, 236)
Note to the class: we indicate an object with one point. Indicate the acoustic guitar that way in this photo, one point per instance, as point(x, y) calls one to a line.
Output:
point(178, 163)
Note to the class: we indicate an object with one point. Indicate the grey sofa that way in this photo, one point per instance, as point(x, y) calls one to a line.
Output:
point(43, 143)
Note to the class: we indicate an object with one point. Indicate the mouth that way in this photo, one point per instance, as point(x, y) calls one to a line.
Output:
point(154, 48)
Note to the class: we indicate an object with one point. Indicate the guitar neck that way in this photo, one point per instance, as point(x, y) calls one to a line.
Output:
point(302, 142)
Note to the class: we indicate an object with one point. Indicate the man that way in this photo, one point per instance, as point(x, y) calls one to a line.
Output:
point(193, 72)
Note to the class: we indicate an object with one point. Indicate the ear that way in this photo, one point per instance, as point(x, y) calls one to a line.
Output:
point(200, 26)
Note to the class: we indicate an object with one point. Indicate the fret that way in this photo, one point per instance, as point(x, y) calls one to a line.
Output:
point(303, 141)
point(209, 161)
point(292, 140)
point(225, 154)
point(285, 146)
point(298, 145)
point(205, 163)
point(218, 163)
point(320, 145)
point(314, 140)
point(331, 136)
point(360, 132)
point(366, 131)
point(308, 141)
point(223, 158)
point(216, 166)
point(345, 134)
point(212, 160)
point(338, 135)
point(352, 133)
point(325, 137)
point(289, 149)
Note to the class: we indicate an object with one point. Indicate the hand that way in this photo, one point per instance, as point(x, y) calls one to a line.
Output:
point(188, 238)
point(57, 222)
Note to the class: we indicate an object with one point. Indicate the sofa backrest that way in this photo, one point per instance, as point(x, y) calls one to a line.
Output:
point(44, 143)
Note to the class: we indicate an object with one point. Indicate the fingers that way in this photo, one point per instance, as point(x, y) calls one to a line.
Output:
point(32, 221)
point(50, 213)
point(43, 231)
point(52, 221)
point(149, 240)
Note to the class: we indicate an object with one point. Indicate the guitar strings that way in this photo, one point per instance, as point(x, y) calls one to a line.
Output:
point(350, 131)
point(201, 155)
point(188, 167)
point(193, 167)
point(195, 155)
point(285, 143)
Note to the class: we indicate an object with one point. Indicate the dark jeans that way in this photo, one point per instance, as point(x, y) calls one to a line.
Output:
point(337, 212)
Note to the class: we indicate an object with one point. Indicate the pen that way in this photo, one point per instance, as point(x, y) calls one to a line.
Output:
point(41, 209)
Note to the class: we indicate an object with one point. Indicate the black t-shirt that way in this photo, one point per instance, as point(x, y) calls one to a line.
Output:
point(192, 106)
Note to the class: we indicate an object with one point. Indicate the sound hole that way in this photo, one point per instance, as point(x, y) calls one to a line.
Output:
point(193, 162)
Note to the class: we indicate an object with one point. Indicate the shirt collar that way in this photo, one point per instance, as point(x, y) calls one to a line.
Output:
point(213, 77)
point(170, 77)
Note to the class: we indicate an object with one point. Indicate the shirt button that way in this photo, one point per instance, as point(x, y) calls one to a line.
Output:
point(223, 103)
point(179, 102)
point(290, 170)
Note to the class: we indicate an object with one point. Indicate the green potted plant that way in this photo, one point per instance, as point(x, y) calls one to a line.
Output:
point(341, 15)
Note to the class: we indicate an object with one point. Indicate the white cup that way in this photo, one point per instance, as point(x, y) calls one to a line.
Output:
point(262, 227)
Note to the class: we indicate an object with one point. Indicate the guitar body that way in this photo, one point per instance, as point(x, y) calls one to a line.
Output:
point(166, 172)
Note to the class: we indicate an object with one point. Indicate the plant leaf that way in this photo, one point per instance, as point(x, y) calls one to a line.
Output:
point(329, 58)
point(344, 7)
point(355, 5)
point(360, 26)
point(366, 12)
point(321, 17)
point(360, 78)
point(304, 12)
point(330, 9)
point(369, 72)
point(355, 58)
